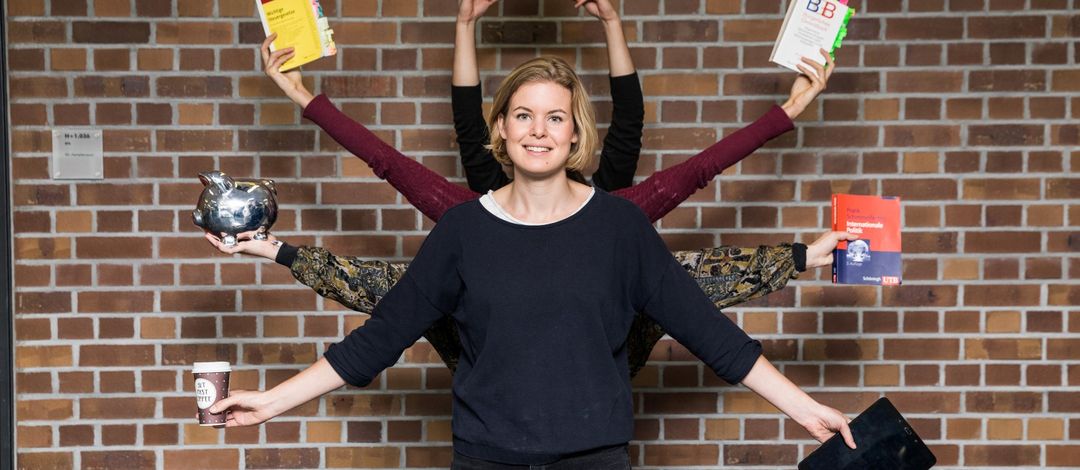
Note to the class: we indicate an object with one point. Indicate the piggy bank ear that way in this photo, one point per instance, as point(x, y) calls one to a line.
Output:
point(205, 178)
point(269, 185)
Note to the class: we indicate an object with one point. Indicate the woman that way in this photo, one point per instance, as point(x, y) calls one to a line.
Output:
point(747, 274)
point(543, 279)
point(622, 145)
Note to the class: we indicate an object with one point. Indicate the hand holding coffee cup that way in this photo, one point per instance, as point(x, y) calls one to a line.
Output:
point(245, 408)
point(211, 386)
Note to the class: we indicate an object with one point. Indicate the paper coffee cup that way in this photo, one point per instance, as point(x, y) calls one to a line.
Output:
point(211, 386)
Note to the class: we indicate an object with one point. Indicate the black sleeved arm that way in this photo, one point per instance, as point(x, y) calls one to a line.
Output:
point(622, 146)
point(676, 302)
point(481, 170)
point(427, 292)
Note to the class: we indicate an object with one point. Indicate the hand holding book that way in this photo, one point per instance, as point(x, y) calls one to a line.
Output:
point(290, 82)
point(820, 253)
point(814, 76)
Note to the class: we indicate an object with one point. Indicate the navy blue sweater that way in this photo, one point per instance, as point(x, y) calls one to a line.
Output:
point(543, 313)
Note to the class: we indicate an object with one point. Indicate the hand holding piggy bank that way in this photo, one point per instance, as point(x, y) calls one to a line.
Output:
point(229, 206)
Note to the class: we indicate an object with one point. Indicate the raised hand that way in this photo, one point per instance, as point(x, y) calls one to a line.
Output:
point(246, 244)
point(808, 85)
point(603, 10)
point(820, 253)
point(471, 10)
point(290, 82)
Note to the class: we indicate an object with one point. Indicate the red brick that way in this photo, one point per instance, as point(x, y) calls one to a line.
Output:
point(37, 32)
point(281, 458)
point(186, 354)
point(42, 302)
point(924, 28)
point(39, 460)
point(110, 32)
point(117, 459)
point(1004, 402)
point(202, 458)
point(682, 454)
point(916, 82)
point(198, 301)
point(1001, 295)
point(760, 454)
point(922, 349)
point(113, 356)
point(999, 455)
point(113, 247)
point(681, 31)
point(1012, 26)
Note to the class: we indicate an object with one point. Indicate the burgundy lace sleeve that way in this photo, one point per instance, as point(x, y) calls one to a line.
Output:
point(426, 190)
point(666, 189)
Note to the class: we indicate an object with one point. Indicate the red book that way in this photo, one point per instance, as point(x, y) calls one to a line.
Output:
point(875, 257)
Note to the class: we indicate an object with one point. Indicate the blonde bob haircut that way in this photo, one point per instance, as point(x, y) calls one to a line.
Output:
point(554, 70)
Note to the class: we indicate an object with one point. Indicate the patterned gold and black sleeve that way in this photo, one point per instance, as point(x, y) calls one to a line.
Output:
point(359, 284)
point(729, 276)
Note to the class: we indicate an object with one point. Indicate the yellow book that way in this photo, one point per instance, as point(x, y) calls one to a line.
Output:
point(299, 24)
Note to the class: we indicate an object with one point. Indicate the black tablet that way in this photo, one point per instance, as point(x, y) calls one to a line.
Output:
point(883, 441)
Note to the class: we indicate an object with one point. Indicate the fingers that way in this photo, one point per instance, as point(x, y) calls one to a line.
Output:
point(819, 72)
point(830, 63)
point(845, 431)
point(225, 404)
point(214, 240)
point(246, 235)
point(807, 72)
point(278, 58)
point(839, 236)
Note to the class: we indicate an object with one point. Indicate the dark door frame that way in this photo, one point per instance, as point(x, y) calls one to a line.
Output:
point(7, 313)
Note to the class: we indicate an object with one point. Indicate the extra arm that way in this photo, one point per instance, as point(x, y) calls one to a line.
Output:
point(356, 283)
point(426, 190)
point(730, 275)
point(466, 101)
point(359, 284)
point(622, 145)
point(666, 189)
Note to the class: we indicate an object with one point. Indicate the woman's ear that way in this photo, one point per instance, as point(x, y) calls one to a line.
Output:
point(500, 124)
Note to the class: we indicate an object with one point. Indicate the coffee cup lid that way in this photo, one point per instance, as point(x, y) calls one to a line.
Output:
point(205, 367)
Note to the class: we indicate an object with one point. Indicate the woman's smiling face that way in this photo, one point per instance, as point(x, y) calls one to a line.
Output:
point(538, 128)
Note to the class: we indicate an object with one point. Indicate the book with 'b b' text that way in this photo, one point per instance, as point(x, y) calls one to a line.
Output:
point(874, 258)
point(810, 25)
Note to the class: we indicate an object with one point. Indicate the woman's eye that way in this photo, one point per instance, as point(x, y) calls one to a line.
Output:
point(522, 116)
point(556, 119)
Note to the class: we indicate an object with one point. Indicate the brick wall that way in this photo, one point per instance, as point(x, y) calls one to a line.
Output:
point(966, 109)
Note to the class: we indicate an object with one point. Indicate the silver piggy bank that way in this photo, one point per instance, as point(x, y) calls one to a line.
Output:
point(228, 206)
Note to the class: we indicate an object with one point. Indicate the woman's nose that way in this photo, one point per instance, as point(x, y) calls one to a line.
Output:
point(537, 129)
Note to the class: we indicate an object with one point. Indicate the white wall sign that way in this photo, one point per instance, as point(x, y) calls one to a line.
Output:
point(77, 154)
